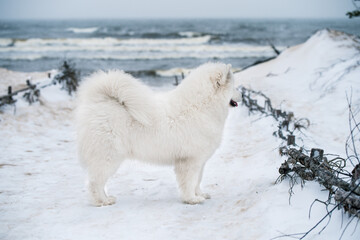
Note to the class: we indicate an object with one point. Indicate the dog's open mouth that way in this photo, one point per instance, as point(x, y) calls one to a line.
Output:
point(233, 103)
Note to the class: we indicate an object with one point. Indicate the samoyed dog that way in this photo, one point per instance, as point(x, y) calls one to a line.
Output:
point(120, 118)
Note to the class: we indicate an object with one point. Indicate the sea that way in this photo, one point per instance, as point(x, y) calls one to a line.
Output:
point(155, 50)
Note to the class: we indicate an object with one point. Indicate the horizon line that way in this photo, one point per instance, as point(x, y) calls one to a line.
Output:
point(179, 18)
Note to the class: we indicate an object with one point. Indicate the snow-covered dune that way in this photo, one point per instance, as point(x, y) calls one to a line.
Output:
point(314, 79)
point(42, 193)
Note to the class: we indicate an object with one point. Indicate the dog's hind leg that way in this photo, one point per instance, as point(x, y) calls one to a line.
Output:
point(96, 185)
point(188, 172)
point(98, 196)
point(102, 166)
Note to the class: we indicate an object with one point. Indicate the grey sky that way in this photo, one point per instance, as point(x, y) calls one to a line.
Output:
point(87, 9)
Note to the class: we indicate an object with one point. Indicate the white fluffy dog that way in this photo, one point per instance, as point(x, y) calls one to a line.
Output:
point(120, 118)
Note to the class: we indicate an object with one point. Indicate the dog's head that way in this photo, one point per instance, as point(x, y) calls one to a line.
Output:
point(223, 81)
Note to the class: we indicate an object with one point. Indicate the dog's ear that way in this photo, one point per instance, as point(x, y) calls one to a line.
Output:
point(223, 76)
point(228, 70)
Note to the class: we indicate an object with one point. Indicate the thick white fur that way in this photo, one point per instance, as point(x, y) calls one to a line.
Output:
point(120, 118)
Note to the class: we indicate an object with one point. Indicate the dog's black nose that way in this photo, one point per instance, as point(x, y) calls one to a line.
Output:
point(233, 103)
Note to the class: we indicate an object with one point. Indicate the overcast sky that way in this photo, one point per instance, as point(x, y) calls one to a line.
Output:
point(90, 9)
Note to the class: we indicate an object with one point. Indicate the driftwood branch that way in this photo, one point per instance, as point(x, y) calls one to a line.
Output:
point(288, 125)
point(349, 200)
point(275, 49)
point(258, 62)
point(343, 186)
point(315, 168)
point(68, 77)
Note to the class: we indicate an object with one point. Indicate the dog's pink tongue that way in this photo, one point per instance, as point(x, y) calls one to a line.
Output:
point(233, 103)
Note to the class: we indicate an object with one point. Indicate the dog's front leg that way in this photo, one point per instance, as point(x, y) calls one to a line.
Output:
point(198, 191)
point(188, 172)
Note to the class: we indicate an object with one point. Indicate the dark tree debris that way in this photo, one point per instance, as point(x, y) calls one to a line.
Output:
point(68, 77)
point(328, 170)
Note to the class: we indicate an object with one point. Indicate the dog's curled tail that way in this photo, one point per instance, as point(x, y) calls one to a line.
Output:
point(136, 98)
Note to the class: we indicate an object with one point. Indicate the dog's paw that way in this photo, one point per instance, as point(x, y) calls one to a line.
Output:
point(205, 195)
point(110, 200)
point(194, 200)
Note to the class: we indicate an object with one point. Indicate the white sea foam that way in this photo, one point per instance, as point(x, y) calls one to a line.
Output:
point(82, 30)
point(29, 57)
point(179, 71)
point(189, 34)
point(4, 42)
point(135, 55)
point(114, 48)
point(162, 41)
point(146, 56)
point(173, 72)
point(103, 41)
point(96, 42)
point(131, 45)
point(38, 42)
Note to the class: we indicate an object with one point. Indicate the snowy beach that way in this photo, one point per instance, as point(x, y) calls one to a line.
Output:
point(42, 190)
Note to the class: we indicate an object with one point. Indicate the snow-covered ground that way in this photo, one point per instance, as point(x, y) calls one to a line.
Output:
point(42, 192)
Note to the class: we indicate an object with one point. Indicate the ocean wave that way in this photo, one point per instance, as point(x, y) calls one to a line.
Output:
point(33, 47)
point(124, 49)
point(171, 35)
point(107, 41)
point(161, 73)
point(28, 57)
point(58, 42)
point(173, 55)
point(173, 72)
point(170, 41)
point(82, 30)
point(158, 35)
point(180, 72)
point(190, 34)
point(136, 56)
point(5, 42)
